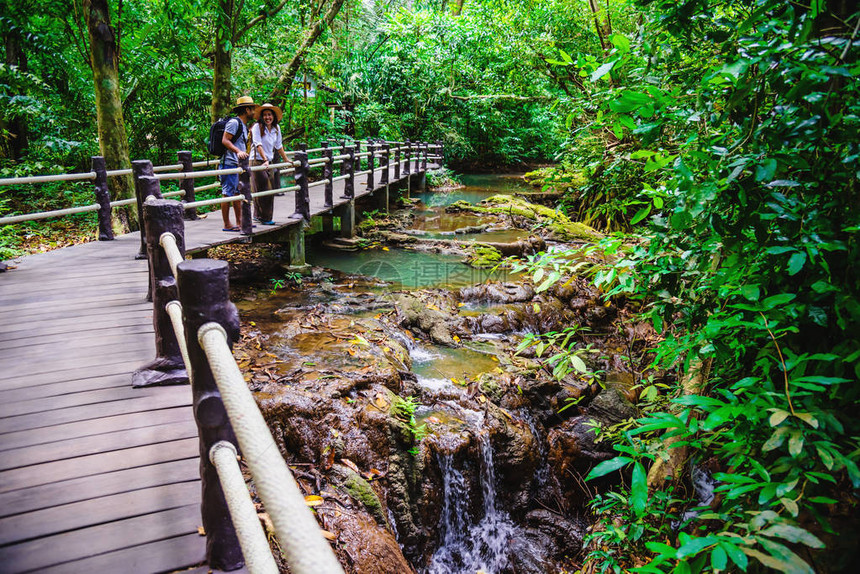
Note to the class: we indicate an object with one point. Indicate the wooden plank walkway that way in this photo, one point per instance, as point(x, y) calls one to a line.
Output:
point(96, 476)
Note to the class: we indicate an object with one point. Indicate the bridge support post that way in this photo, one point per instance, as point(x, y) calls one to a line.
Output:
point(161, 216)
point(187, 185)
point(102, 198)
point(204, 293)
point(328, 224)
point(140, 168)
point(296, 236)
point(346, 212)
point(426, 147)
point(348, 168)
point(303, 204)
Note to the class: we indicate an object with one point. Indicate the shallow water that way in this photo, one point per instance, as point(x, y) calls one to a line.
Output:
point(476, 187)
point(405, 268)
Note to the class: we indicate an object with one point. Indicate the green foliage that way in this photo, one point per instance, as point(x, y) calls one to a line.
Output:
point(739, 126)
point(404, 410)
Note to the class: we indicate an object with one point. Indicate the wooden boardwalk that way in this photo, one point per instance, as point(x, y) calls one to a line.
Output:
point(96, 476)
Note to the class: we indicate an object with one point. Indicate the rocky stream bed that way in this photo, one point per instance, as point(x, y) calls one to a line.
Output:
point(392, 382)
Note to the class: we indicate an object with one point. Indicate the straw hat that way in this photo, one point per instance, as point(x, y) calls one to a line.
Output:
point(275, 110)
point(245, 102)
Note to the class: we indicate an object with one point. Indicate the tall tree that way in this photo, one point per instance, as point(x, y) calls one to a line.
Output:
point(318, 26)
point(113, 140)
point(229, 30)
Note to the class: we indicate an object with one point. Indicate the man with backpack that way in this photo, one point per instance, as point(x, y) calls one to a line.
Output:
point(235, 140)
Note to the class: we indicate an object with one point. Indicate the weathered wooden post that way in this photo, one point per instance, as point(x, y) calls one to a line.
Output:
point(357, 157)
point(371, 164)
point(244, 188)
point(328, 174)
point(102, 192)
point(426, 147)
point(397, 163)
point(407, 153)
point(162, 216)
point(204, 293)
point(303, 207)
point(187, 185)
point(140, 168)
point(303, 146)
point(440, 152)
point(348, 168)
point(416, 154)
point(383, 163)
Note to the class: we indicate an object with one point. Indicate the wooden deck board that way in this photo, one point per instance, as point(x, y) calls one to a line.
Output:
point(96, 476)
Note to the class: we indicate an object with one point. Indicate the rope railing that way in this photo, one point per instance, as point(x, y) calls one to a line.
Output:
point(195, 325)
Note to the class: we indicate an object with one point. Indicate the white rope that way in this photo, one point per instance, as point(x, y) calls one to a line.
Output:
point(47, 178)
point(318, 183)
point(46, 214)
point(171, 249)
point(209, 186)
point(160, 168)
point(196, 174)
point(340, 177)
point(116, 172)
point(214, 201)
point(205, 162)
point(275, 191)
point(252, 539)
point(174, 311)
point(304, 547)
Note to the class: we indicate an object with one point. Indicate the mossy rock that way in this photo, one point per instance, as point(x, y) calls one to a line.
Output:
point(484, 257)
point(554, 220)
point(361, 491)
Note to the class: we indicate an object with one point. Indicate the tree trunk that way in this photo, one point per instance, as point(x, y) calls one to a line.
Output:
point(285, 82)
point(601, 25)
point(222, 74)
point(113, 140)
point(458, 8)
point(15, 56)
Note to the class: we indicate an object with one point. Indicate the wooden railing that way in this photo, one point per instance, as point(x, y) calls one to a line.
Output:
point(185, 173)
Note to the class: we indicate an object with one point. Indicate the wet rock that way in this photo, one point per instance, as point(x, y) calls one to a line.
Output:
point(573, 452)
point(363, 546)
point(361, 492)
point(611, 405)
point(547, 540)
point(498, 293)
point(515, 452)
point(440, 325)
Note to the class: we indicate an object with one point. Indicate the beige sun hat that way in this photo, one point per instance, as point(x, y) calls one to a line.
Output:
point(245, 102)
point(275, 110)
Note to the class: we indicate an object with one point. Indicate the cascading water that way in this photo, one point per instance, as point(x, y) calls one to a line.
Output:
point(480, 547)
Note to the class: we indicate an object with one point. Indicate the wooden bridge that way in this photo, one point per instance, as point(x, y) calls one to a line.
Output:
point(97, 476)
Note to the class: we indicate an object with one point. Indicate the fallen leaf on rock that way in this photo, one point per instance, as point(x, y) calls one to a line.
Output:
point(381, 401)
point(329, 535)
point(373, 473)
point(266, 521)
point(313, 500)
point(201, 531)
point(349, 464)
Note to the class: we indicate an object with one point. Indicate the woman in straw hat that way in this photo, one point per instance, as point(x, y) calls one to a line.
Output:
point(266, 137)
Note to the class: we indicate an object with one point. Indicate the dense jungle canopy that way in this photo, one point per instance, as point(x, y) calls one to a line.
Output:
point(714, 143)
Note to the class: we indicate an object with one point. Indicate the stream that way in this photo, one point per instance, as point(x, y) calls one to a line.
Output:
point(391, 372)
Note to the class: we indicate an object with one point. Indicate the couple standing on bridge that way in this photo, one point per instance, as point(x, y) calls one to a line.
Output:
point(265, 140)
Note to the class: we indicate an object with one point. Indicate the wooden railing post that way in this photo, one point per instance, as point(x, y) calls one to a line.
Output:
point(348, 168)
point(371, 164)
point(303, 207)
point(245, 189)
point(187, 185)
point(383, 163)
point(426, 147)
point(408, 156)
point(140, 168)
point(328, 174)
point(397, 162)
point(102, 198)
point(204, 293)
point(357, 151)
point(161, 216)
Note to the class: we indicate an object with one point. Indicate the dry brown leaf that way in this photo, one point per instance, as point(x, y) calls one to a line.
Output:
point(381, 401)
point(349, 464)
point(328, 535)
point(313, 500)
point(201, 531)
point(266, 521)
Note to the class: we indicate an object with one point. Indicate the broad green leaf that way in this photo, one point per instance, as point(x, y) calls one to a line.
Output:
point(602, 71)
point(777, 417)
point(793, 534)
point(796, 262)
point(719, 559)
point(638, 489)
point(608, 466)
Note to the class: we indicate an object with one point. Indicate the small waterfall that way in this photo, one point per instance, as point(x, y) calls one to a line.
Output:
point(466, 549)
